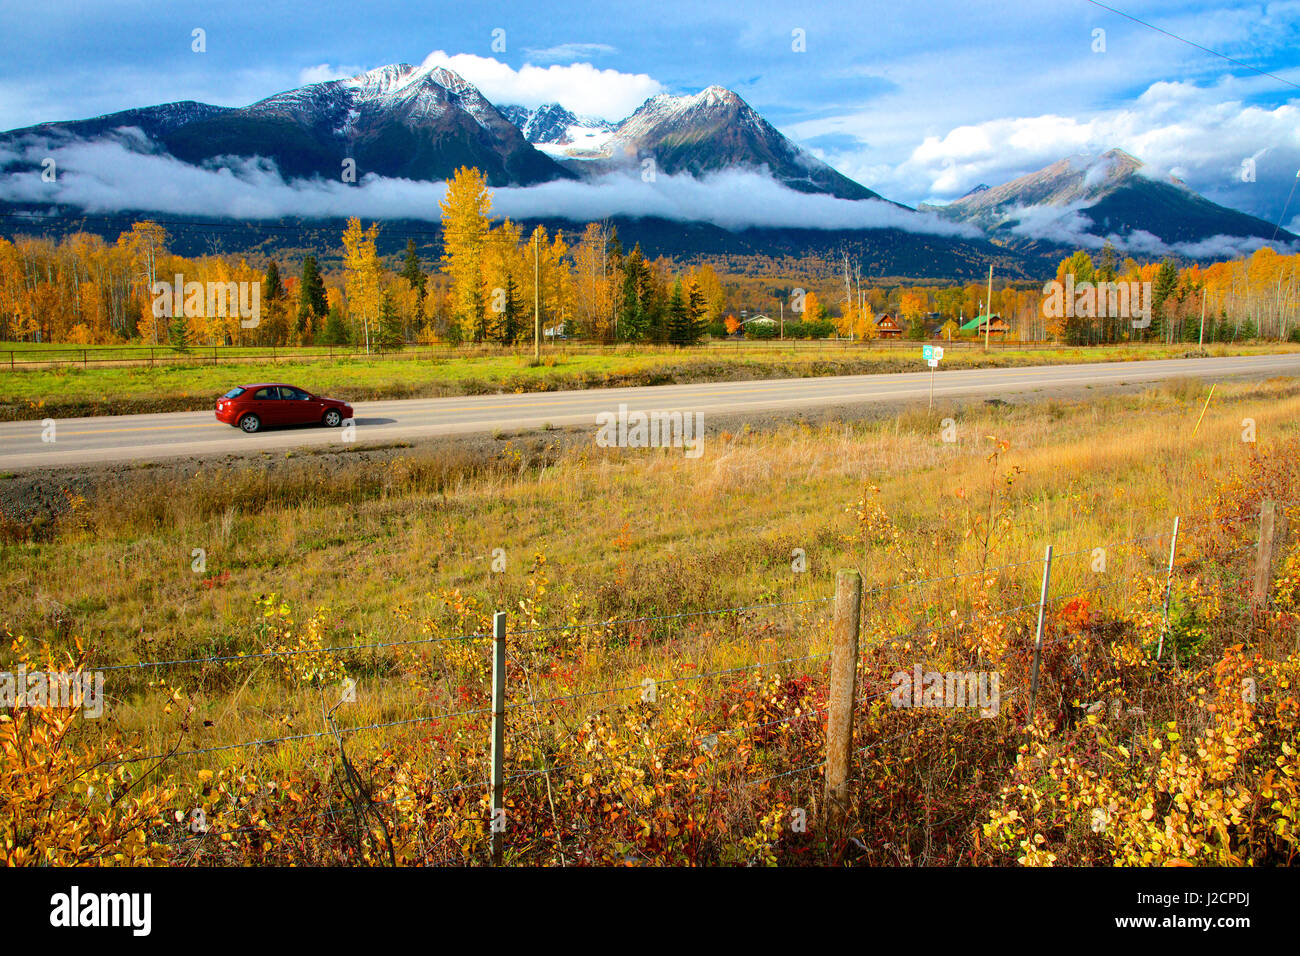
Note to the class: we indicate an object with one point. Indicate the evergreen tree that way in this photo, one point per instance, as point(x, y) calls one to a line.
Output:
point(412, 270)
point(390, 335)
point(336, 331)
point(696, 308)
point(679, 320)
point(635, 310)
point(272, 287)
point(512, 313)
point(413, 273)
point(1108, 268)
point(1163, 290)
point(477, 313)
point(312, 302)
point(178, 333)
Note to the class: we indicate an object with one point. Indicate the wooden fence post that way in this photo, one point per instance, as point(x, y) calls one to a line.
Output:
point(843, 693)
point(1038, 639)
point(497, 823)
point(1169, 584)
point(1272, 533)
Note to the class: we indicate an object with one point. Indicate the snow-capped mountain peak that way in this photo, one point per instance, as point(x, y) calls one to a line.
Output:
point(558, 132)
point(1109, 193)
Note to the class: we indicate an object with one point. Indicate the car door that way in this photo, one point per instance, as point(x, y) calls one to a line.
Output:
point(299, 407)
point(265, 403)
point(272, 406)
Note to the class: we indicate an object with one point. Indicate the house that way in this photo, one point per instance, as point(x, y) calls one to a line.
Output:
point(889, 325)
point(996, 325)
point(759, 326)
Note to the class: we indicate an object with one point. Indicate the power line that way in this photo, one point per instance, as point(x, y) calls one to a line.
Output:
point(1193, 43)
point(1287, 205)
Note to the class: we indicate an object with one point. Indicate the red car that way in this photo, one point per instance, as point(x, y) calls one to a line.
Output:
point(251, 407)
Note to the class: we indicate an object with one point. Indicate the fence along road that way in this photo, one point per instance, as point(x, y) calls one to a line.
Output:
point(145, 437)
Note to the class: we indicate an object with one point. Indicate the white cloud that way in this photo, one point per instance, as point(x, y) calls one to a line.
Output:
point(579, 87)
point(109, 176)
point(1070, 226)
point(1201, 133)
point(323, 72)
point(571, 51)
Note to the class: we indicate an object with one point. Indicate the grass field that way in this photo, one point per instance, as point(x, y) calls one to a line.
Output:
point(299, 558)
point(72, 391)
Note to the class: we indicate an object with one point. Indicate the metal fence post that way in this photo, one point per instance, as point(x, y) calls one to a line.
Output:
point(843, 693)
point(497, 823)
point(1169, 583)
point(1038, 638)
point(1272, 531)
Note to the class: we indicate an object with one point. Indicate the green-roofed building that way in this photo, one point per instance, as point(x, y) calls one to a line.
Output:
point(996, 325)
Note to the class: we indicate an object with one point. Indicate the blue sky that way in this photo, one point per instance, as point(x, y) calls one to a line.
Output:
point(919, 100)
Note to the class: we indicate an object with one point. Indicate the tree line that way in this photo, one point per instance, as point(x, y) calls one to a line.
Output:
point(491, 283)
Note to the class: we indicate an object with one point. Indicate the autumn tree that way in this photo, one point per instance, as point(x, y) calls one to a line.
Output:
point(362, 273)
point(593, 288)
point(466, 210)
point(146, 244)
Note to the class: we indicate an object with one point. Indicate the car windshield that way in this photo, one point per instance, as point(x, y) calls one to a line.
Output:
point(233, 393)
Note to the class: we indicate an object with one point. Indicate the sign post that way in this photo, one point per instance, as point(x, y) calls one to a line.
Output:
point(932, 354)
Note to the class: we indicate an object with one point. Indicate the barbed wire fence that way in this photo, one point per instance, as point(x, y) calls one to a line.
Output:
point(841, 665)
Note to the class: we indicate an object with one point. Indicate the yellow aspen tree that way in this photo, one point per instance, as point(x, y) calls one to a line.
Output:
point(362, 274)
point(466, 221)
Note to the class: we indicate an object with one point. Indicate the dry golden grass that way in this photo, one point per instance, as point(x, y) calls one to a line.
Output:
point(624, 533)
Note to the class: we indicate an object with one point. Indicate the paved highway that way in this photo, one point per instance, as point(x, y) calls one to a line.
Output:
point(124, 438)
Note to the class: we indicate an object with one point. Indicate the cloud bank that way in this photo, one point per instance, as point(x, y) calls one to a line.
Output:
point(1203, 134)
point(115, 174)
point(1069, 225)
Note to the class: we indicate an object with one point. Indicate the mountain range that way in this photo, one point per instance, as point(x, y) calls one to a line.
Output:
point(1116, 193)
point(422, 123)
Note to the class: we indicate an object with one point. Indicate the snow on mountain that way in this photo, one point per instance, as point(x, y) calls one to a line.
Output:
point(559, 133)
point(710, 131)
point(1109, 194)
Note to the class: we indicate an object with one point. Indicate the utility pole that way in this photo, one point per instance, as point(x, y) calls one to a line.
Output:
point(537, 302)
point(988, 312)
point(1201, 343)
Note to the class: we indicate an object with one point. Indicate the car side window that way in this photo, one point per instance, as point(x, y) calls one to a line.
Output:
point(263, 394)
point(294, 394)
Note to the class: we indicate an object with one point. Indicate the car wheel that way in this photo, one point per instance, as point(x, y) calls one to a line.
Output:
point(250, 423)
point(332, 418)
